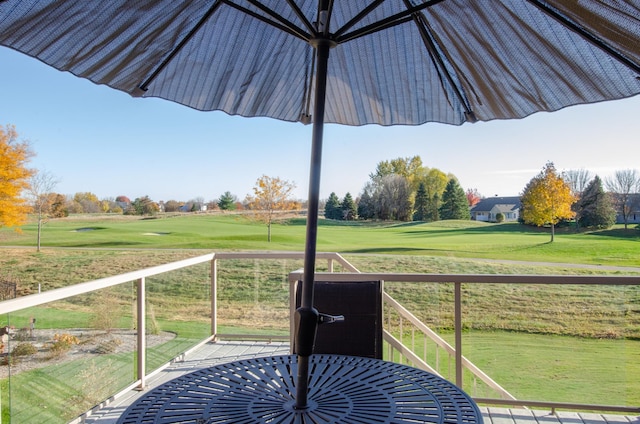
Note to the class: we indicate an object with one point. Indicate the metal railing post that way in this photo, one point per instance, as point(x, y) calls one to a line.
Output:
point(214, 297)
point(458, 327)
point(141, 325)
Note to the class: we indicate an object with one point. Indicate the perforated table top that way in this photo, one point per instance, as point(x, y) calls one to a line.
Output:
point(342, 389)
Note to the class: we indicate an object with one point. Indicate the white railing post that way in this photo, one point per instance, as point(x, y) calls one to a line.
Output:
point(142, 326)
point(458, 327)
point(214, 297)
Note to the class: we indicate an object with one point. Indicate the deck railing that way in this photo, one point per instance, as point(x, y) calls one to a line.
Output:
point(407, 351)
point(409, 338)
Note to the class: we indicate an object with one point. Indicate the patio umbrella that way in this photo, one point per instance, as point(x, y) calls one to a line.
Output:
point(393, 62)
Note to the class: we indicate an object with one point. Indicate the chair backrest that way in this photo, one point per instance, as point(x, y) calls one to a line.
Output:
point(361, 305)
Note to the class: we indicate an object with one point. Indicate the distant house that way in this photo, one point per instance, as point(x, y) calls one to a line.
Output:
point(488, 209)
point(633, 205)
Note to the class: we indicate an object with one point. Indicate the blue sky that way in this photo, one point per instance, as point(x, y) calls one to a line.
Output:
point(93, 138)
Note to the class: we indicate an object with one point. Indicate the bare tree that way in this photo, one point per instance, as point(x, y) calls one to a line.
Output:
point(271, 195)
point(622, 185)
point(578, 180)
point(41, 184)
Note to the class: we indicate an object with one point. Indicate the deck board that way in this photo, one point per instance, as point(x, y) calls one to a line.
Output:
point(497, 415)
point(618, 419)
point(212, 354)
point(546, 417)
point(570, 417)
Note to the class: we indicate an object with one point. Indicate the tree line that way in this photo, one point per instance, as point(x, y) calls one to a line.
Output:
point(552, 197)
point(24, 190)
point(401, 189)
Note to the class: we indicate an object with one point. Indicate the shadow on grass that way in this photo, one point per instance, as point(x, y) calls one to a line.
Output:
point(369, 224)
point(395, 250)
point(103, 244)
point(619, 233)
point(85, 229)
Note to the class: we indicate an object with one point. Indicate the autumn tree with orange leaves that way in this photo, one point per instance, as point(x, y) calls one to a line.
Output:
point(14, 177)
point(547, 199)
point(270, 196)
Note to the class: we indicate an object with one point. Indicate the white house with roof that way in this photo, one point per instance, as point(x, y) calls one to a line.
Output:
point(488, 209)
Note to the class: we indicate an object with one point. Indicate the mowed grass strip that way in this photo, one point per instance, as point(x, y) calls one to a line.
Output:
point(469, 239)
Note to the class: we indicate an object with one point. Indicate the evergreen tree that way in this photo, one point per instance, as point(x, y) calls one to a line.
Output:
point(595, 208)
point(454, 202)
point(227, 202)
point(348, 208)
point(366, 208)
point(421, 204)
point(332, 207)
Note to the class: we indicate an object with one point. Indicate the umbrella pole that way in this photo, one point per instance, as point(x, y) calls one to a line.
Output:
point(307, 316)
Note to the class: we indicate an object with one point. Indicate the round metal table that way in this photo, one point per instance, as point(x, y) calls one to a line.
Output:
point(342, 389)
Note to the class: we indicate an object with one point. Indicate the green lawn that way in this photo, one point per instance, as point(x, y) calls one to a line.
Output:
point(543, 367)
point(558, 368)
point(466, 239)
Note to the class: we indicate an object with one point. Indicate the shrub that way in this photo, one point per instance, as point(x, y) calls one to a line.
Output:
point(20, 350)
point(108, 346)
point(22, 335)
point(24, 349)
point(499, 217)
point(62, 344)
point(152, 322)
point(106, 313)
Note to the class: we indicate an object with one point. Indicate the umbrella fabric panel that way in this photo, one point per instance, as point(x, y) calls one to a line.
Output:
point(496, 59)
point(513, 60)
point(366, 87)
point(231, 65)
point(109, 44)
point(120, 44)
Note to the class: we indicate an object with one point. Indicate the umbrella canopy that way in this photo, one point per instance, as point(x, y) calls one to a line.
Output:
point(392, 62)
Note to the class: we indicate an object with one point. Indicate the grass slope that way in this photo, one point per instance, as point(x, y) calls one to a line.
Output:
point(469, 239)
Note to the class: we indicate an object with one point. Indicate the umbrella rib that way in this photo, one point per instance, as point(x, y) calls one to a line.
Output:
point(301, 16)
point(180, 45)
point(358, 17)
point(283, 25)
point(388, 22)
point(587, 35)
point(425, 33)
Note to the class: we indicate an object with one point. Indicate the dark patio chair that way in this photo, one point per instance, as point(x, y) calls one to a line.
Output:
point(360, 334)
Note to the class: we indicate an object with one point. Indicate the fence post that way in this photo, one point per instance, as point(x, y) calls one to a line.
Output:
point(458, 330)
point(142, 326)
point(214, 297)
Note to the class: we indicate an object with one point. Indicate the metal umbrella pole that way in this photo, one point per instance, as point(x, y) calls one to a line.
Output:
point(307, 317)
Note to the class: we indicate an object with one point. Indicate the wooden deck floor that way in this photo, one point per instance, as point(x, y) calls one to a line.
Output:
point(226, 351)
